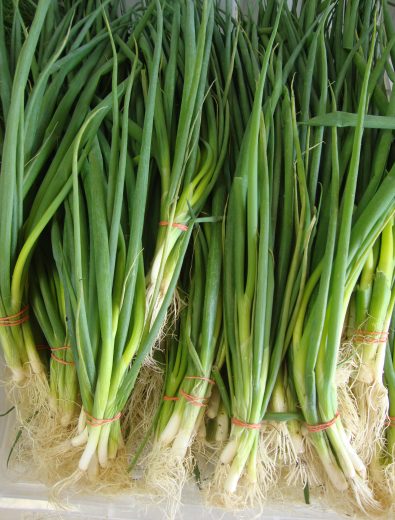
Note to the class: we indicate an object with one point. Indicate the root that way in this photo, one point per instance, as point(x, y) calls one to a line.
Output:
point(29, 396)
point(307, 468)
point(363, 497)
point(166, 476)
point(389, 480)
point(382, 476)
point(142, 407)
point(169, 323)
point(45, 448)
point(372, 408)
point(247, 494)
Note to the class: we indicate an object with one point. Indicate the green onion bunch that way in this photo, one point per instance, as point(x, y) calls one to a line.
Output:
point(188, 369)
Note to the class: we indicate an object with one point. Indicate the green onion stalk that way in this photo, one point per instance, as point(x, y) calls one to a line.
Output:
point(248, 289)
point(216, 426)
point(199, 338)
point(46, 295)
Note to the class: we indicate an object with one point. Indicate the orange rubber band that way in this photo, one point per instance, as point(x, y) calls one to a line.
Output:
point(65, 347)
point(15, 319)
point(313, 428)
point(370, 337)
point(390, 422)
point(249, 426)
point(61, 361)
point(194, 400)
point(164, 223)
point(93, 421)
point(201, 379)
point(169, 398)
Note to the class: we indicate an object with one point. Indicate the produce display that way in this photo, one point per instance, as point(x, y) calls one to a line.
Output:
point(197, 248)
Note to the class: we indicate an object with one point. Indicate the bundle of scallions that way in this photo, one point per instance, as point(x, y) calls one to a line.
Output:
point(197, 206)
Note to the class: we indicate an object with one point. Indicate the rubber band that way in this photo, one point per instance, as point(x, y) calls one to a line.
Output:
point(313, 428)
point(15, 319)
point(249, 426)
point(370, 337)
point(93, 421)
point(195, 400)
point(61, 361)
point(372, 333)
point(201, 379)
point(390, 422)
point(16, 315)
point(164, 223)
point(52, 349)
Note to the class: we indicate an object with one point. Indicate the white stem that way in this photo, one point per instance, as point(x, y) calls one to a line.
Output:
point(213, 404)
point(18, 374)
point(357, 462)
point(93, 468)
point(90, 448)
point(379, 362)
point(335, 476)
point(222, 431)
point(366, 374)
point(171, 429)
point(229, 452)
point(181, 443)
point(341, 451)
point(297, 442)
point(232, 480)
point(81, 422)
point(80, 439)
point(36, 366)
point(201, 433)
point(244, 448)
point(102, 449)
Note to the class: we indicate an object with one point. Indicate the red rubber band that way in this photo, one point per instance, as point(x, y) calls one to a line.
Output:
point(93, 421)
point(61, 361)
point(164, 223)
point(65, 347)
point(15, 319)
point(249, 426)
point(390, 422)
point(169, 398)
point(313, 428)
point(16, 315)
point(201, 379)
point(200, 402)
point(371, 336)
point(359, 332)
